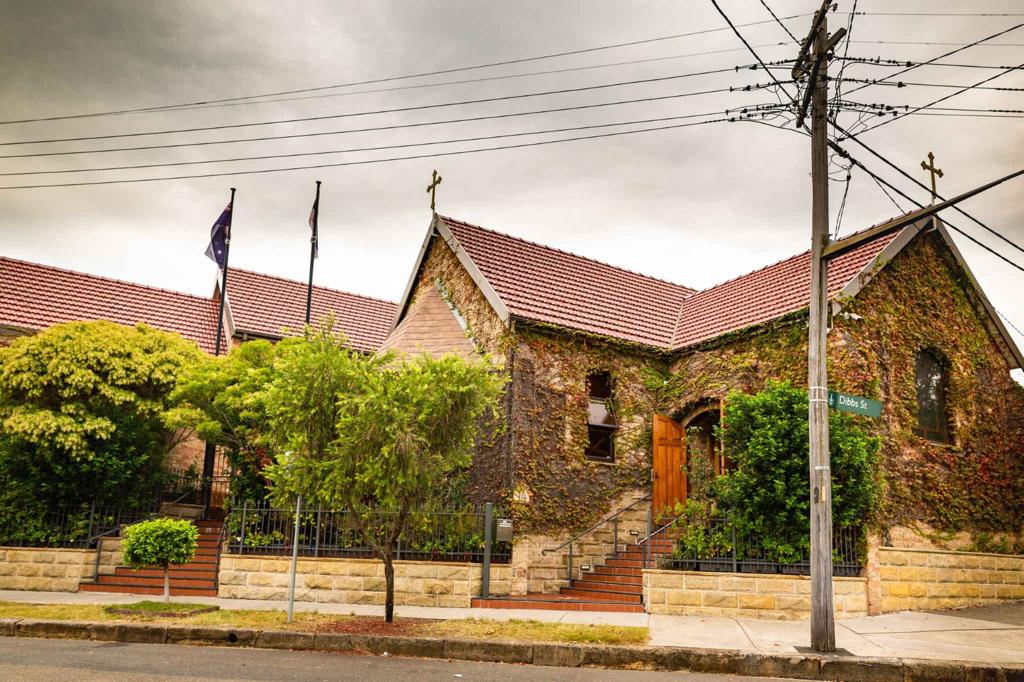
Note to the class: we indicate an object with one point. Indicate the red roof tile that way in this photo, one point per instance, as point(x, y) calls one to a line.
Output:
point(540, 283)
point(34, 297)
point(766, 294)
point(266, 305)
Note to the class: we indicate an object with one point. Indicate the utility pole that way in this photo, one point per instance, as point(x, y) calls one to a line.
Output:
point(814, 54)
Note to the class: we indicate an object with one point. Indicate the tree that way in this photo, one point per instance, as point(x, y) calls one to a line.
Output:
point(160, 542)
point(82, 407)
point(221, 399)
point(376, 436)
point(765, 435)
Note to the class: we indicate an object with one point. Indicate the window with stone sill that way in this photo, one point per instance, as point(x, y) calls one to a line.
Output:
point(601, 424)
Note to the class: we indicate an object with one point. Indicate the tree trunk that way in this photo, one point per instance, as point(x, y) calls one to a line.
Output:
point(167, 583)
point(389, 580)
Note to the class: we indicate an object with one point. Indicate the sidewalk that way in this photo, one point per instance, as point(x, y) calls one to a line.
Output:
point(985, 635)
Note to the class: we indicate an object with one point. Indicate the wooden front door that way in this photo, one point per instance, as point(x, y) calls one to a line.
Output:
point(669, 475)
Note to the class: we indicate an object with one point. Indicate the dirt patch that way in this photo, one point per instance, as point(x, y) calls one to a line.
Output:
point(367, 625)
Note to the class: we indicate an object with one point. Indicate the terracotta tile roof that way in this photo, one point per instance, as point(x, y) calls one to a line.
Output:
point(540, 283)
point(766, 294)
point(266, 305)
point(543, 284)
point(34, 297)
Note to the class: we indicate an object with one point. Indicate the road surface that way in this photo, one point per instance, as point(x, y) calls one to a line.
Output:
point(58, 660)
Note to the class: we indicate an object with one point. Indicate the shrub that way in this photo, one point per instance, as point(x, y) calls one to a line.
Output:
point(159, 542)
point(767, 493)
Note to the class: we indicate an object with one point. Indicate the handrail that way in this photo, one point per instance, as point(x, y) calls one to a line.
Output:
point(659, 530)
point(596, 525)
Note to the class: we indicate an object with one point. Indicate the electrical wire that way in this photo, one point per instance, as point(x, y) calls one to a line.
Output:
point(371, 161)
point(903, 84)
point(396, 126)
point(784, 27)
point(420, 107)
point(264, 157)
point(421, 74)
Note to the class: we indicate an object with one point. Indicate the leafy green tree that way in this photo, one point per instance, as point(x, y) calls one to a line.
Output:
point(160, 542)
point(222, 399)
point(82, 409)
point(765, 435)
point(376, 436)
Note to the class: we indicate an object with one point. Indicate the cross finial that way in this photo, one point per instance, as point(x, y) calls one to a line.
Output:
point(432, 188)
point(930, 167)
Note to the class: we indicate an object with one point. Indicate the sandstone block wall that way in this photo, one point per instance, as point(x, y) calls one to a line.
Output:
point(356, 581)
point(924, 579)
point(782, 597)
point(46, 569)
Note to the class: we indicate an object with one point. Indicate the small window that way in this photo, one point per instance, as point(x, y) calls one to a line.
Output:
point(932, 385)
point(601, 424)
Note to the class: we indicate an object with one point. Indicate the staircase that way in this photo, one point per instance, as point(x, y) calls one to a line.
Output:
point(197, 578)
point(616, 585)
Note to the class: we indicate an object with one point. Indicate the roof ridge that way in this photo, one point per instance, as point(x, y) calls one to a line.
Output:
point(107, 279)
point(315, 286)
point(568, 253)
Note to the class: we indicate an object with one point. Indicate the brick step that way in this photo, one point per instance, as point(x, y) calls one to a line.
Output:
point(634, 551)
point(629, 563)
point(153, 581)
point(601, 595)
point(625, 588)
point(616, 570)
point(141, 589)
point(635, 579)
point(531, 602)
point(186, 571)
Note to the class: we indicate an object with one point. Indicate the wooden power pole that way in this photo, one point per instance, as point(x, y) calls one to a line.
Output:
point(813, 60)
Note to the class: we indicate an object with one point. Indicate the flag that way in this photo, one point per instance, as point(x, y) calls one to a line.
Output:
point(220, 233)
point(315, 236)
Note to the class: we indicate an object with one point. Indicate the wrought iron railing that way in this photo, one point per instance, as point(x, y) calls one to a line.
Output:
point(719, 545)
point(450, 534)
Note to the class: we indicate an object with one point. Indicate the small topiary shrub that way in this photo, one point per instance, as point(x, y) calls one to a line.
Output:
point(160, 542)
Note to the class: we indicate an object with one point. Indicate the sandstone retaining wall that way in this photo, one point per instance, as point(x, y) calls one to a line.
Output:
point(783, 597)
point(53, 569)
point(924, 579)
point(357, 581)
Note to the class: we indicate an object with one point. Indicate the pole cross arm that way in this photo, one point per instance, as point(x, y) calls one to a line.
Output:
point(838, 248)
point(799, 68)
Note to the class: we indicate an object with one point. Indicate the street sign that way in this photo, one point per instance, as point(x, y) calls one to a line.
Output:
point(844, 402)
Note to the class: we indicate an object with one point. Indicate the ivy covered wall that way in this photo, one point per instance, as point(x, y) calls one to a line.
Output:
point(920, 300)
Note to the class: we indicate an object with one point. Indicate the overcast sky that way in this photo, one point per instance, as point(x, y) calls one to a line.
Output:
point(693, 205)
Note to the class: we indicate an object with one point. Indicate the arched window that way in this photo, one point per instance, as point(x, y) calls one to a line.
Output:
point(932, 385)
point(601, 425)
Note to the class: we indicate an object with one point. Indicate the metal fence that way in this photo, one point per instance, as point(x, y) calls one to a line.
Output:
point(455, 534)
point(73, 528)
point(719, 546)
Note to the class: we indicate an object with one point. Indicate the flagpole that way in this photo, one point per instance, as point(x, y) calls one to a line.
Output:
point(313, 239)
point(224, 280)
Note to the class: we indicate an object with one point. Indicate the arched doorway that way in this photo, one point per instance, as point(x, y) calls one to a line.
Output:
point(691, 437)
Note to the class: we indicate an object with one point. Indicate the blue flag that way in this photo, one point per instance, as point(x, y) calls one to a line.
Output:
point(220, 233)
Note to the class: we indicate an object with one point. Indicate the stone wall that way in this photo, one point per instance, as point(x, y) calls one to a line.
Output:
point(357, 581)
point(923, 579)
point(46, 569)
point(782, 597)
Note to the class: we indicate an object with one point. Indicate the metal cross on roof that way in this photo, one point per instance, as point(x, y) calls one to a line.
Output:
point(930, 167)
point(432, 188)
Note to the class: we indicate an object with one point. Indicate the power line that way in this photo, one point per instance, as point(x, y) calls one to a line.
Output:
point(938, 14)
point(264, 157)
point(421, 107)
point(903, 84)
point(941, 99)
point(878, 61)
point(784, 27)
point(374, 81)
point(1007, 320)
point(752, 50)
point(929, 42)
point(397, 126)
point(920, 184)
point(375, 161)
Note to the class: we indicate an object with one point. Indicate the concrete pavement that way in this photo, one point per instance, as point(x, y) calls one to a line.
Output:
point(984, 635)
